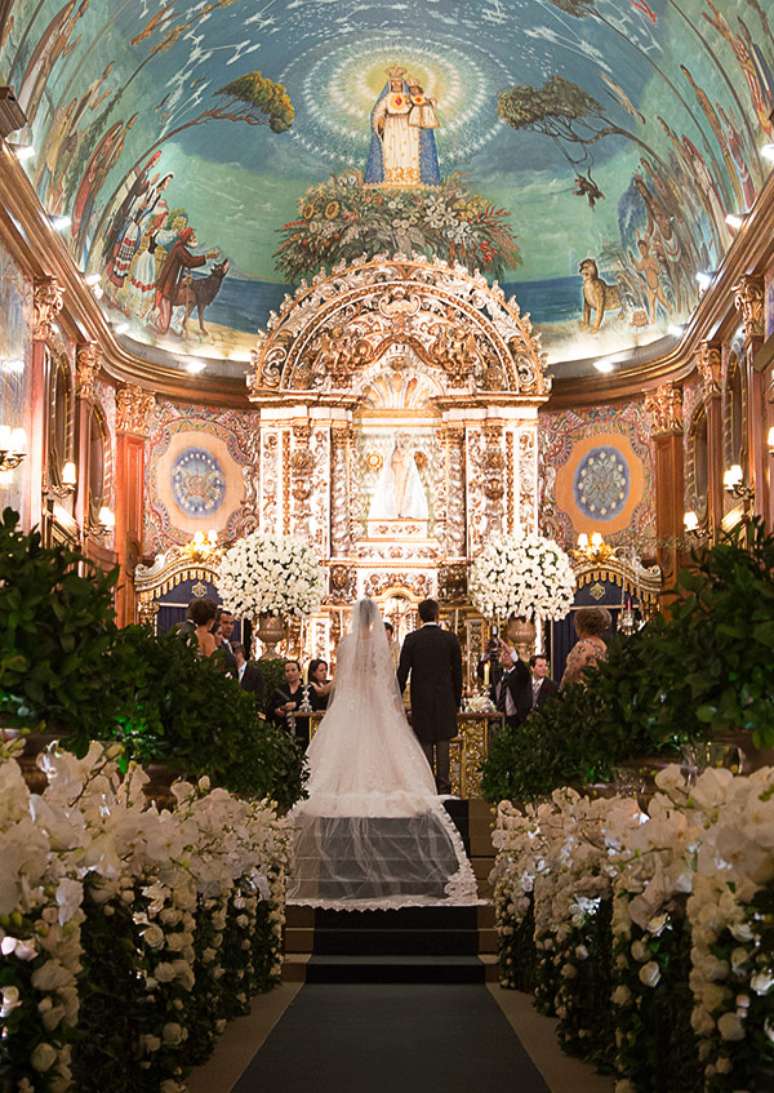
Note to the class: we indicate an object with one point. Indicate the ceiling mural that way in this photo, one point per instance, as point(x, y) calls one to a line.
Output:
point(211, 155)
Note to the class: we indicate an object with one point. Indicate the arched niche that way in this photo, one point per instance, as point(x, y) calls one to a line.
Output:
point(735, 412)
point(100, 463)
point(698, 463)
point(61, 416)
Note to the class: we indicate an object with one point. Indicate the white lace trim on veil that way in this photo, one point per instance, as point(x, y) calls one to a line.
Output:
point(372, 833)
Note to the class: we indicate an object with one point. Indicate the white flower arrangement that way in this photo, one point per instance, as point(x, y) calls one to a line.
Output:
point(92, 849)
point(695, 874)
point(265, 574)
point(524, 575)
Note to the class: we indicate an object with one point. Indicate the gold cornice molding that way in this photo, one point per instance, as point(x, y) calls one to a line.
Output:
point(41, 251)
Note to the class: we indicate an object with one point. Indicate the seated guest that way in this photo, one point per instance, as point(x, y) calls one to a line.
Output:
point(590, 624)
point(286, 700)
point(392, 644)
point(248, 675)
point(202, 619)
point(543, 687)
point(319, 684)
point(512, 693)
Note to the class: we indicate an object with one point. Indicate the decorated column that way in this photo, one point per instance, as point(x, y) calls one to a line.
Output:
point(709, 365)
point(88, 361)
point(748, 299)
point(47, 303)
point(134, 407)
point(665, 405)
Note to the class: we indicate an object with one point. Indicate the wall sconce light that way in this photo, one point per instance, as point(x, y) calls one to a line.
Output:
point(69, 474)
point(13, 447)
point(770, 440)
point(107, 518)
point(592, 550)
point(203, 547)
point(733, 483)
point(690, 521)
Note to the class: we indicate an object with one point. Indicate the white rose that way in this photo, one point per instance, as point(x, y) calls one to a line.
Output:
point(650, 974)
point(153, 937)
point(164, 972)
point(640, 951)
point(11, 1000)
point(731, 1027)
point(172, 1034)
point(621, 996)
point(762, 982)
point(43, 1057)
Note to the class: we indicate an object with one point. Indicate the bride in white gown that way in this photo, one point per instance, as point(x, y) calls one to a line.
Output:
point(372, 832)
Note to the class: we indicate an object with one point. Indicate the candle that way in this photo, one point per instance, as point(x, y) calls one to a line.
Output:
point(456, 619)
point(487, 668)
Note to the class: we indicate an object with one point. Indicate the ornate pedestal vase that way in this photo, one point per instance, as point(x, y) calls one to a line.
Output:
point(270, 630)
point(521, 632)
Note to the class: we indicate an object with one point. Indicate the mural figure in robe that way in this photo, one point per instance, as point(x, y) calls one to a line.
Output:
point(403, 124)
point(399, 493)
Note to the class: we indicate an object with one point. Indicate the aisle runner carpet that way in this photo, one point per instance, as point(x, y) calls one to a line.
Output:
point(391, 1038)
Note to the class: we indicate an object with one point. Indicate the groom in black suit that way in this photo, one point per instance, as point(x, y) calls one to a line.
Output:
point(433, 658)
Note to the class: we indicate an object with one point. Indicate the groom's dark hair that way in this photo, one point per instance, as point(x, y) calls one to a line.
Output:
point(428, 610)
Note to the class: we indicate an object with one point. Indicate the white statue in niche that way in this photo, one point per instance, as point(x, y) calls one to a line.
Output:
point(399, 493)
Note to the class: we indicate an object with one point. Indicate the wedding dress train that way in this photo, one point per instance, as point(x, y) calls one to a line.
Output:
point(372, 833)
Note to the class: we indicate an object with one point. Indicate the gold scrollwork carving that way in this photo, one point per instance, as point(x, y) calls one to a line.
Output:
point(88, 362)
point(134, 408)
point(709, 364)
point(48, 298)
point(748, 301)
point(665, 405)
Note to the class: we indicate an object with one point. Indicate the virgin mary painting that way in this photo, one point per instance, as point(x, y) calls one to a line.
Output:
point(403, 120)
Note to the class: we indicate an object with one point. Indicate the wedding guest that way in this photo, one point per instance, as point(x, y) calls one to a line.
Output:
point(186, 628)
point(590, 624)
point(288, 698)
point(319, 684)
point(512, 692)
point(492, 658)
point(248, 674)
point(202, 619)
point(225, 620)
point(543, 687)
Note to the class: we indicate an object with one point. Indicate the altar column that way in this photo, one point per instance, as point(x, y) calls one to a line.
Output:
point(134, 407)
point(88, 360)
point(666, 406)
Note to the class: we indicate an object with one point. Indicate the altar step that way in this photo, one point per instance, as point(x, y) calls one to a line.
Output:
point(410, 945)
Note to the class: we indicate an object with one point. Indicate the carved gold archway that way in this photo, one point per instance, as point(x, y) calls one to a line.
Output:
point(333, 334)
point(168, 570)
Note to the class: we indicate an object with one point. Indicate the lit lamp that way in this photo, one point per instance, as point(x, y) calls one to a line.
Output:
point(202, 546)
point(733, 483)
point(770, 440)
point(107, 518)
point(13, 447)
point(690, 521)
point(592, 550)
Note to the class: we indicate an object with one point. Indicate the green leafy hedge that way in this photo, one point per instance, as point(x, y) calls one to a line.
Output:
point(67, 668)
point(705, 669)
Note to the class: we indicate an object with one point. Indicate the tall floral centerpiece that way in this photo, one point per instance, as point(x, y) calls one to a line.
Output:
point(268, 578)
point(522, 576)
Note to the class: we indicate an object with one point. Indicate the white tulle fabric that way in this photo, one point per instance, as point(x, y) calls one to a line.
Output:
point(372, 833)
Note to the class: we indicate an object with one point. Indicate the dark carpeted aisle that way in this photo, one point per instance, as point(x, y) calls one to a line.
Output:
point(392, 1039)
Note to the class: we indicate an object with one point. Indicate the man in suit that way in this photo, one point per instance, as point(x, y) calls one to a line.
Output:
point(519, 691)
point(543, 687)
point(433, 659)
point(512, 692)
point(248, 674)
point(225, 619)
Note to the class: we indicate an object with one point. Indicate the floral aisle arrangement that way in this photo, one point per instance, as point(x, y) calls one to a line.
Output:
point(129, 935)
point(524, 575)
point(343, 219)
point(269, 575)
point(661, 919)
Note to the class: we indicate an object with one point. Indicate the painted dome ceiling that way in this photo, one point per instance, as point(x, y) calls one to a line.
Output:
point(210, 155)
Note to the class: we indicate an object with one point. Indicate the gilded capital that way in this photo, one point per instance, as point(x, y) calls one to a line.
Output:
point(134, 406)
point(709, 366)
point(748, 301)
point(88, 362)
point(665, 405)
point(48, 297)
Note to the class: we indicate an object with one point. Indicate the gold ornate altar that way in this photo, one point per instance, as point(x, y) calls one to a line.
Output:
point(396, 429)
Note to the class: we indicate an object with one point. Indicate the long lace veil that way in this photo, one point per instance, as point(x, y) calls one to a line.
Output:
point(372, 832)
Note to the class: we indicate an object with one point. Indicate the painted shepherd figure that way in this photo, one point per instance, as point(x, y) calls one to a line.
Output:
point(403, 151)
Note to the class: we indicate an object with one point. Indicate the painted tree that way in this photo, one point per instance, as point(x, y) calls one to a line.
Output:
point(564, 112)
